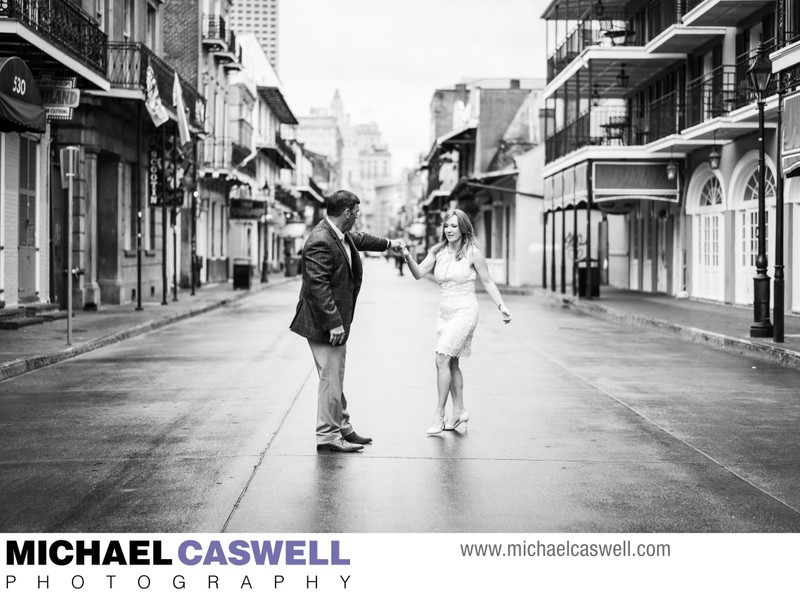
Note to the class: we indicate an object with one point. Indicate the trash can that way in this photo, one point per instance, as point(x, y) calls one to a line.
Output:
point(242, 273)
point(292, 266)
point(588, 278)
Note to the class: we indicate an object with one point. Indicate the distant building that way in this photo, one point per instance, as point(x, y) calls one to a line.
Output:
point(486, 159)
point(259, 17)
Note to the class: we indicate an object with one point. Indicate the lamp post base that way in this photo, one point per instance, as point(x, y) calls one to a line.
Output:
point(762, 329)
point(761, 326)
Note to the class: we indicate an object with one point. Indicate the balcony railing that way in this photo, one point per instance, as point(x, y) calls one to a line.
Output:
point(65, 26)
point(218, 153)
point(284, 147)
point(596, 127)
point(665, 117)
point(743, 63)
point(214, 29)
point(611, 30)
point(127, 69)
point(711, 96)
point(660, 16)
point(243, 133)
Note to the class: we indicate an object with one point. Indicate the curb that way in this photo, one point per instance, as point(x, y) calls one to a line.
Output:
point(22, 365)
point(757, 350)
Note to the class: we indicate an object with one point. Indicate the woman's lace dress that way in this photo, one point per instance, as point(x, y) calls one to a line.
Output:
point(458, 308)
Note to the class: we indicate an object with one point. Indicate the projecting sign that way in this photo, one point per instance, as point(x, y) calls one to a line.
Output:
point(59, 96)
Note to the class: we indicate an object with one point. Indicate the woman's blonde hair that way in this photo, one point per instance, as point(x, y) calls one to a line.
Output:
point(467, 233)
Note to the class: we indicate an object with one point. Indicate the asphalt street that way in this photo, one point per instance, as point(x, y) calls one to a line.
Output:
point(577, 425)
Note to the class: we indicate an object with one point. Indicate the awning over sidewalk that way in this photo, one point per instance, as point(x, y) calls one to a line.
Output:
point(616, 185)
point(462, 135)
point(21, 107)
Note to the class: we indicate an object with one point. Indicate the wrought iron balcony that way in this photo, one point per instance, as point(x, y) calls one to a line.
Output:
point(713, 95)
point(723, 90)
point(215, 33)
point(665, 117)
point(127, 69)
point(231, 54)
point(62, 24)
point(278, 150)
point(218, 153)
point(243, 133)
point(596, 127)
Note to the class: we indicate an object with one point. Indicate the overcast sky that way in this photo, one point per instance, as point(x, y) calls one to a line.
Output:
point(387, 57)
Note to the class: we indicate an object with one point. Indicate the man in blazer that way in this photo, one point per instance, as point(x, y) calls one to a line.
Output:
point(332, 275)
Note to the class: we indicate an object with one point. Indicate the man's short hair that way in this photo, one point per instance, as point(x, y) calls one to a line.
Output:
point(340, 201)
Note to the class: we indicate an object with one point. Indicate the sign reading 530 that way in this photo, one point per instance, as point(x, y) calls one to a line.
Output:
point(19, 86)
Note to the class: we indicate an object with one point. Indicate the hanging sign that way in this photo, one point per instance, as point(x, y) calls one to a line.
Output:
point(155, 160)
point(59, 96)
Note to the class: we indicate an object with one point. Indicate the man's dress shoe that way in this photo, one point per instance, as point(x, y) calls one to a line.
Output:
point(341, 447)
point(356, 438)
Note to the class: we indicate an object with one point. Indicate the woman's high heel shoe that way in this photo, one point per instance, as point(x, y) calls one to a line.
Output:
point(437, 426)
point(454, 422)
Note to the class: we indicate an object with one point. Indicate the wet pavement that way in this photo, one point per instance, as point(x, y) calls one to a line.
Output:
point(33, 347)
point(722, 326)
point(577, 424)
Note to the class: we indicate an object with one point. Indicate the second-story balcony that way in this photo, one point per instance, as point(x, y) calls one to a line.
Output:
point(277, 150)
point(215, 32)
point(226, 158)
point(127, 71)
point(721, 13)
point(231, 55)
point(57, 34)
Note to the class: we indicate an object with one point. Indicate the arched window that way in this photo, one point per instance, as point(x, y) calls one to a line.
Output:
point(711, 194)
point(751, 189)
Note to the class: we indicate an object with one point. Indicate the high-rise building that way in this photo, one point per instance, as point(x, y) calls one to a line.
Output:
point(259, 17)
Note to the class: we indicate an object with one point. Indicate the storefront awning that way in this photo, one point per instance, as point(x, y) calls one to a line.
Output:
point(433, 196)
point(21, 107)
point(464, 134)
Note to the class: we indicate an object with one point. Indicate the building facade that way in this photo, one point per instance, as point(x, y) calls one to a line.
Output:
point(653, 134)
point(106, 92)
point(486, 161)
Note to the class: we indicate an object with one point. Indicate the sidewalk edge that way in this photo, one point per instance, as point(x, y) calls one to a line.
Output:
point(22, 365)
point(764, 352)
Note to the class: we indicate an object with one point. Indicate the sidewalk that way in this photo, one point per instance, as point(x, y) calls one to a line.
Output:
point(37, 346)
point(720, 326)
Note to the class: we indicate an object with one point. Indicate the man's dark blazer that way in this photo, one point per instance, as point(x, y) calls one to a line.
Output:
point(330, 286)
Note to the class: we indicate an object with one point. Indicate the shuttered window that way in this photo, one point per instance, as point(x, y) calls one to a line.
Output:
point(27, 192)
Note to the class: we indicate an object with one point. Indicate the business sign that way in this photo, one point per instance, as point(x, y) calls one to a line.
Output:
point(59, 96)
point(243, 208)
point(155, 164)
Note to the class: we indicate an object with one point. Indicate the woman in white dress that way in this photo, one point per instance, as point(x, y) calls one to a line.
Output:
point(455, 262)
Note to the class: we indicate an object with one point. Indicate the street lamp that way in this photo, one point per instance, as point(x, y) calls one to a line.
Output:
point(599, 9)
point(672, 168)
point(760, 74)
point(713, 156)
point(622, 77)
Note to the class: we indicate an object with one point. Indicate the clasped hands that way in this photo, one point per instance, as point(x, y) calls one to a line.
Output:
point(397, 245)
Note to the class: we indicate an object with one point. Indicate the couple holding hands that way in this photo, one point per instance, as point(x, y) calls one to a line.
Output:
point(332, 275)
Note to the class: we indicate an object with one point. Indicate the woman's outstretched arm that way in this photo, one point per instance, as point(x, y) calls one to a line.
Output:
point(419, 271)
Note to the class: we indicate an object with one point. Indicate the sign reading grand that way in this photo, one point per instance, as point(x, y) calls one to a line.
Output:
point(59, 96)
